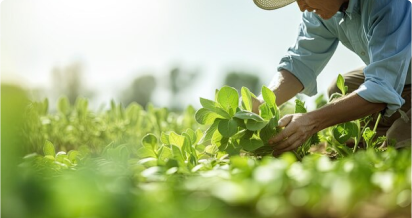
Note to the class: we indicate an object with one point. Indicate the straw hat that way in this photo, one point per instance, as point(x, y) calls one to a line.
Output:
point(272, 4)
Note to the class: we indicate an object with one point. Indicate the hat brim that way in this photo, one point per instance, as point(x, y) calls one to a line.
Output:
point(272, 4)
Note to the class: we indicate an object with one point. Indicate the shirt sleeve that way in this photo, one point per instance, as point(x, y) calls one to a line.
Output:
point(312, 50)
point(388, 30)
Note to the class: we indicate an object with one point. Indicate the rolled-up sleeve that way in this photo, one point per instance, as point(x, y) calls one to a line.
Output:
point(313, 49)
point(388, 29)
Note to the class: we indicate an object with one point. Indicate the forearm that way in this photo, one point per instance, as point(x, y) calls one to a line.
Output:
point(285, 87)
point(350, 107)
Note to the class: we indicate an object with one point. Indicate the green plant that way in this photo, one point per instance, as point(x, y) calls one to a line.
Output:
point(236, 128)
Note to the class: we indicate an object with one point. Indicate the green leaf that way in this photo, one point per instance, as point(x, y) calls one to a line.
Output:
point(219, 141)
point(209, 104)
point(211, 149)
point(191, 135)
point(300, 106)
point(48, 149)
point(209, 132)
point(176, 139)
point(199, 135)
point(314, 140)
point(320, 101)
point(240, 122)
point(81, 105)
point(251, 144)
point(192, 161)
point(133, 112)
point(254, 125)
point(187, 146)
point(239, 134)
point(227, 127)
point(63, 105)
point(49, 157)
point(368, 134)
point(247, 115)
point(164, 138)
point(149, 141)
point(248, 134)
point(340, 134)
point(206, 117)
point(144, 152)
point(67, 162)
point(269, 97)
point(72, 155)
point(335, 96)
point(264, 151)
point(228, 98)
point(265, 111)
point(240, 163)
point(60, 156)
point(354, 129)
point(269, 130)
point(340, 83)
point(177, 154)
point(344, 131)
point(233, 149)
point(214, 107)
point(164, 154)
point(246, 99)
point(148, 162)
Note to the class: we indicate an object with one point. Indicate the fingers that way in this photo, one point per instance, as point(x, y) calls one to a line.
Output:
point(297, 128)
point(289, 144)
point(279, 137)
point(284, 121)
point(285, 132)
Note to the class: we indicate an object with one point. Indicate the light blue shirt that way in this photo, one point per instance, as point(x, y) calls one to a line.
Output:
point(378, 31)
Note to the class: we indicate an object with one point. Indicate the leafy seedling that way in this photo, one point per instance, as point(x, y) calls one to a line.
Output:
point(235, 128)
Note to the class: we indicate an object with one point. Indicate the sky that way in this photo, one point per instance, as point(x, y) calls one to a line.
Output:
point(116, 41)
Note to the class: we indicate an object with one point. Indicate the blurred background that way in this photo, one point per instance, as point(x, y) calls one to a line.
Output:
point(166, 52)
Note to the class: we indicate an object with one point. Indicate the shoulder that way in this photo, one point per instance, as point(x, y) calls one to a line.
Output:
point(372, 7)
point(384, 12)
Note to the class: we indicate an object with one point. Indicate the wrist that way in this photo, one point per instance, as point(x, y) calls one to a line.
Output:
point(318, 120)
point(256, 102)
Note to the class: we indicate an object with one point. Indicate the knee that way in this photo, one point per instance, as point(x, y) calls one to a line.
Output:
point(400, 131)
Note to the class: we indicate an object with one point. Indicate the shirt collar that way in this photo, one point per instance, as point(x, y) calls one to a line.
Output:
point(353, 6)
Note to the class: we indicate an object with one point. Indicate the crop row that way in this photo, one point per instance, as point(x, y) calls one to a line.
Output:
point(214, 162)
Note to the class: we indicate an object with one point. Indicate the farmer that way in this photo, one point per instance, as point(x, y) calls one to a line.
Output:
point(379, 32)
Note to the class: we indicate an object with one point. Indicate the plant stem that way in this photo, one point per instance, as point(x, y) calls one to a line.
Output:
point(357, 139)
point(360, 135)
point(377, 122)
point(374, 130)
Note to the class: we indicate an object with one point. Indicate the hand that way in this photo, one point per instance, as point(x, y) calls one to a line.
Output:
point(256, 102)
point(298, 128)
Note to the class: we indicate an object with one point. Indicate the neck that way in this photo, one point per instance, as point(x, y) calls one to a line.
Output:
point(343, 5)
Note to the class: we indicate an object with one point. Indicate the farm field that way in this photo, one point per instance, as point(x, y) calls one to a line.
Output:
point(129, 161)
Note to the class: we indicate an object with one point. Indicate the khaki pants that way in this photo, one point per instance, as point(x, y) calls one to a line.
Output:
point(393, 127)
